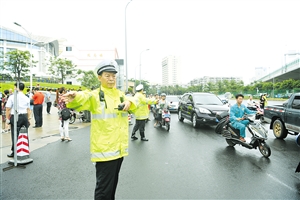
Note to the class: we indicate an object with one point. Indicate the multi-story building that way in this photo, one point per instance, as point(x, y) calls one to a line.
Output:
point(171, 66)
point(42, 48)
point(206, 79)
point(87, 59)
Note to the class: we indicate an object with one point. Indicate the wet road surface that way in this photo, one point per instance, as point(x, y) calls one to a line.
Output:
point(184, 163)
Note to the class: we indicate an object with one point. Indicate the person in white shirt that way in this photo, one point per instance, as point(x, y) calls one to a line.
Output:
point(23, 111)
point(250, 102)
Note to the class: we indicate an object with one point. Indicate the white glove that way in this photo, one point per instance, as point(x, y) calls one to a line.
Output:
point(7, 121)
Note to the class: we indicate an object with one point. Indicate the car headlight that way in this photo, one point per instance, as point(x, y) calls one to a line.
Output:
point(204, 110)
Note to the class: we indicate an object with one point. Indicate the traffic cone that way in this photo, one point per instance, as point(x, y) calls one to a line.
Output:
point(23, 148)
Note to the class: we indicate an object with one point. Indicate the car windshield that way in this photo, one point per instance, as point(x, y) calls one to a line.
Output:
point(173, 99)
point(207, 100)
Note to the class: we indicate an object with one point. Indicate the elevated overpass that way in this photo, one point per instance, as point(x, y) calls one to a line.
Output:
point(289, 71)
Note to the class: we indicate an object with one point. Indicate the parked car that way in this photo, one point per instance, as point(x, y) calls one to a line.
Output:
point(200, 108)
point(173, 101)
point(284, 118)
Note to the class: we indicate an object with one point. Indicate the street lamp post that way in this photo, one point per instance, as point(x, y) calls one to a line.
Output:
point(30, 51)
point(141, 65)
point(126, 87)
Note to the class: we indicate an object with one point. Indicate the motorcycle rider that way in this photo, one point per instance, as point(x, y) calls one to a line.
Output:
point(251, 102)
point(237, 111)
point(162, 105)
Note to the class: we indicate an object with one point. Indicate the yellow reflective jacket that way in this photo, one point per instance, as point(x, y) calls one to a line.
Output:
point(109, 126)
point(142, 111)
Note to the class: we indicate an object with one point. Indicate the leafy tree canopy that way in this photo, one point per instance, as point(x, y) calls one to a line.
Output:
point(62, 68)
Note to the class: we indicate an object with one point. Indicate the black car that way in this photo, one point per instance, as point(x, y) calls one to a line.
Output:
point(200, 108)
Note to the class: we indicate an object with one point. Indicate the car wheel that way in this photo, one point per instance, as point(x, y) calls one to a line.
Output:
point(194, 121)
point(180, 118)
point(279, 130)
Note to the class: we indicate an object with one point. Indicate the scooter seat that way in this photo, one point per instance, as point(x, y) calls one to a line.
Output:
point(236, 131)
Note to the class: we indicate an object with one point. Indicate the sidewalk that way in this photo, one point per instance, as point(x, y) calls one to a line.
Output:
point(39, 137)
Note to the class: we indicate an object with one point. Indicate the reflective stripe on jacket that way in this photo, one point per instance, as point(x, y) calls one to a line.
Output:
point(109, 126)
point(142, 111)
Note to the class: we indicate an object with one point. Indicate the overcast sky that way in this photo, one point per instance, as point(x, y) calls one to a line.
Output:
point(213, 38)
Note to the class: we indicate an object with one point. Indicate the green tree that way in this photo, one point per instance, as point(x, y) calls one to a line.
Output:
point(287, 84)
point(267, 86)
point(88, 79)
point(62, 68)
point(17, 62)
point(296, 84)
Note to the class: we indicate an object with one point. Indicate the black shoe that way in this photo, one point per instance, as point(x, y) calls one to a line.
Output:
point(134, 138)
point(35, 126)
point(144, 139)
point(10, 155)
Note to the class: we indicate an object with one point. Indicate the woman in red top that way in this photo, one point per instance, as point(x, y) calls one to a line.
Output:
point(63, 124)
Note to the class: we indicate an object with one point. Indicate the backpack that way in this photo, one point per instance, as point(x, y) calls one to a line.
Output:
point(65, 114)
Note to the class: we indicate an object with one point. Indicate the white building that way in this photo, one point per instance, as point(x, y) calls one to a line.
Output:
point(87, 59)
point(206, 79)
point(171, 66)
point(42, 48)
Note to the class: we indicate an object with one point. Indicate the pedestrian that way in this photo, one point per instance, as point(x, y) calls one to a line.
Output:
point(63, 124)
point(29, 94)
point(262, 101)
point(23, 108)
point(141, 113)
point(266, 100)
point(48, 100)
point(38, 100)
point(5, 126)
point(109, 126)
point(10, 92)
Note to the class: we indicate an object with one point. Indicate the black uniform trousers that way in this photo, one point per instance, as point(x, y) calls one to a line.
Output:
point(22, 121)
point(49, 104)
point(139, 125)
point(38, 114)
point(107, 176)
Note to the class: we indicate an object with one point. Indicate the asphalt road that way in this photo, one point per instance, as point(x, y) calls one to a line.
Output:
point(184, 163)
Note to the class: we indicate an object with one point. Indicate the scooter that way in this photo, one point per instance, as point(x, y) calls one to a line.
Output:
point(76, 115)
point(165, 119)
point(232, 136)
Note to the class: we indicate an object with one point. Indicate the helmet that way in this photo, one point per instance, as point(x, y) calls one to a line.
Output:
point(163, 94)
point(106, 65)
point(139, 87)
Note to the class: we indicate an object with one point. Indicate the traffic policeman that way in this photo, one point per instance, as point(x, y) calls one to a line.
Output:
point(109, 126)
point(141, 113)
point(23, 111)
